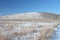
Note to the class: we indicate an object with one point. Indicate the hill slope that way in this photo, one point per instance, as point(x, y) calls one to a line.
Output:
point(28, 26)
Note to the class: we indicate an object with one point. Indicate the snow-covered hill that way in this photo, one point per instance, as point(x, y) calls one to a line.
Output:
point(28, 26)
point(33, 15)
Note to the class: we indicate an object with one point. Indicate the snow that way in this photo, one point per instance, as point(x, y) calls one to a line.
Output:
point(57, 33)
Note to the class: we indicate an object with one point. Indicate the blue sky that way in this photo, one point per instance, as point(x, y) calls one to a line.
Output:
point(19, 6)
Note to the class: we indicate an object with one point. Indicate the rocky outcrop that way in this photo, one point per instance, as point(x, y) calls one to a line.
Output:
point(28, 26)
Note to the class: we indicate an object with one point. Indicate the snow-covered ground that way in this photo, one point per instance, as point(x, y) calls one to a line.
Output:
point(57, 33)
point(29, 30)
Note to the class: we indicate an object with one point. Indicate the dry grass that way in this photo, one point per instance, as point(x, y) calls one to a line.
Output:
point(46, 32)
